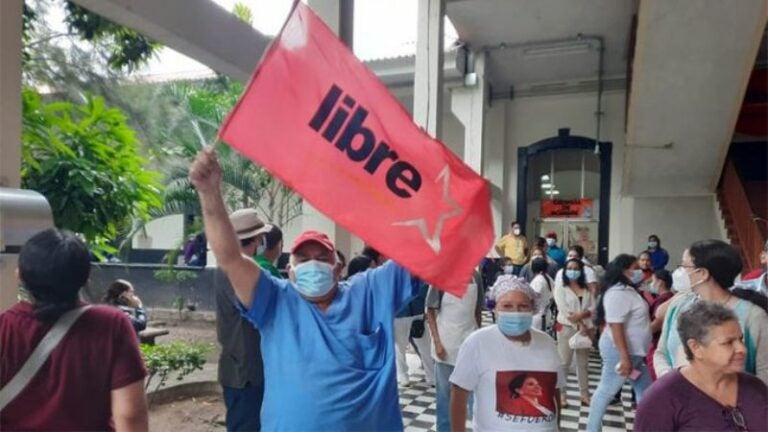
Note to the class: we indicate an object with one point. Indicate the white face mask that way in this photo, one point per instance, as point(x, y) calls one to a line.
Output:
point(516, 231)
point(681, 280)
point(550, 242)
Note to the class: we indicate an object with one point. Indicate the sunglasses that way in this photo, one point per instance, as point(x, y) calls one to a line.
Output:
point(736, 418)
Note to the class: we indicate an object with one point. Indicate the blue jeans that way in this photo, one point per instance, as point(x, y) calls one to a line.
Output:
point(243, 407)
point(443, 385)
point(611, 382)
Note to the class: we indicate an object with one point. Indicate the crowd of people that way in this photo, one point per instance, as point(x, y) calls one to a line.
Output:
point(324, 348)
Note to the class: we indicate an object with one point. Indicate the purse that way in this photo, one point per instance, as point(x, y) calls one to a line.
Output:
point(417, 328)
point(579, 341)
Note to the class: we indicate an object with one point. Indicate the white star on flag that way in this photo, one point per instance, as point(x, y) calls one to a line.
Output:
point(433, 240)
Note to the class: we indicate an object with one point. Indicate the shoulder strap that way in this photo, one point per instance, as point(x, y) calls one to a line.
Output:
point(39, 355)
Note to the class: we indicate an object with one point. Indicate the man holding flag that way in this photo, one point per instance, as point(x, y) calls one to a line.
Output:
point(317, 119)
point(328, 346)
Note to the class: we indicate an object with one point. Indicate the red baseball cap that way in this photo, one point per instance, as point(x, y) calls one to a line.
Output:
point(312, 236)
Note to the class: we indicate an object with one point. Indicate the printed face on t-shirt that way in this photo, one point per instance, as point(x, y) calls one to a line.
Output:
point(522, 395)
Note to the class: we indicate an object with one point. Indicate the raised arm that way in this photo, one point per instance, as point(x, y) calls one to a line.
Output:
point(242, 271)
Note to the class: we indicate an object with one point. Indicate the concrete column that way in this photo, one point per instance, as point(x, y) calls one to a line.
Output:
point(339, 16)
point(484, 131)
point(428, 76)
point(469, 104)
point(10, 126)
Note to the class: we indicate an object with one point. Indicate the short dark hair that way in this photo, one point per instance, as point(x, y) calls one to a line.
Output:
point(541, 243)
point(664, 276)
point(696, 323)
point(578, 249)
point(273, 236)
point(538, 265)
point(513, 223)
point(371, 253)
point(53, 265)
point(358, 264)
point(719, 258)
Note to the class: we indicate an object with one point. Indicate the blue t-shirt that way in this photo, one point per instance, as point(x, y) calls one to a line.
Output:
point(557, 254)
point(332, 370)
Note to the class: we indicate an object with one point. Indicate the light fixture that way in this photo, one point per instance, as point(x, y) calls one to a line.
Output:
point(545, 177)
point(547, 186)
point(554, 192)
point(557, 49)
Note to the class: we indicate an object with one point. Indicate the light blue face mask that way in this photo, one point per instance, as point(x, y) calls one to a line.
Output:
point(637, 276)
point(514, 323)
point(573, 274)
point(509, 269)
point(314, 278)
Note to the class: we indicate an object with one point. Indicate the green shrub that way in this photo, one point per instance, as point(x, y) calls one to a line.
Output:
point(175, 358)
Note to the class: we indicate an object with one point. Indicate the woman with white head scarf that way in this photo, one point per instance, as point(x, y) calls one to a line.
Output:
point(512, 368)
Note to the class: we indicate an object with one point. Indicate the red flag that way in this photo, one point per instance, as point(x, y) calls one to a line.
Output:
point(319, 120)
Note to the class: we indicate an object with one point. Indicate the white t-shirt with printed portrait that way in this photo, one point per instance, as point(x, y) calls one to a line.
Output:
point(514, 384)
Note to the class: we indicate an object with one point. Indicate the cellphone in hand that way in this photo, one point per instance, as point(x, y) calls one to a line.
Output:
point(634, 375)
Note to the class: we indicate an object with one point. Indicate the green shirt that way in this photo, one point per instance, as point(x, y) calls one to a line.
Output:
point(267, 265)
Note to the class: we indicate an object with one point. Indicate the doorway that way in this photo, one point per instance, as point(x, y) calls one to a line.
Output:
point(563, 186)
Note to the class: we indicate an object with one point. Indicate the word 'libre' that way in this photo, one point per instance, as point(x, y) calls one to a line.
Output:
point(402, 178)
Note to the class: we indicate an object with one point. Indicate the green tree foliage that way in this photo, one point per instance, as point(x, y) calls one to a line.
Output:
point(85, 160)
point(125, 48)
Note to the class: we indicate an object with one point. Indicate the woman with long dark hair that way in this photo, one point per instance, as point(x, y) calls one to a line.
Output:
point(709, 268)
point(575, 306)
point(625, 339)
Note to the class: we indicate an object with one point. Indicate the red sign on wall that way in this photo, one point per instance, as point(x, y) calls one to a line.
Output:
point(578, 208)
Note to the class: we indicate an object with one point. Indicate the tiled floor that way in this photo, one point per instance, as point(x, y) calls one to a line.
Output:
point(418, 403)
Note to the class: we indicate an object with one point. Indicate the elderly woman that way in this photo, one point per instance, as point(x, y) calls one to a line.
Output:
point(625, 339)
point(710, 393)
point(709, 268)
point(512, 368)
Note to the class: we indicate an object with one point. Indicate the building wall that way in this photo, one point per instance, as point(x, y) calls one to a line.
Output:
point(678, 221)
point(531, 119)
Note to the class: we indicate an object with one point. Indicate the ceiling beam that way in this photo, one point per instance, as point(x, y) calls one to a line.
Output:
point(199, 29)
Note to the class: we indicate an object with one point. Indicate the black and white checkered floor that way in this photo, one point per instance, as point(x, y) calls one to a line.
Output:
point(418, 402)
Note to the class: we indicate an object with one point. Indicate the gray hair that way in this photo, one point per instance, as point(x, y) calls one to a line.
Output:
point(696, 322)
point(508, 283)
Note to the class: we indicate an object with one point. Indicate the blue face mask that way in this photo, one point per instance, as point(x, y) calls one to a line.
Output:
point(637, 276)
point(314, 278)
point(508, 270)
point(653, 245)
point(514, 323)
point(573, 274)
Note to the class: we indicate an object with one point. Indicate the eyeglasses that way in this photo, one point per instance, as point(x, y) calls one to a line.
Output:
point(736, 418)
